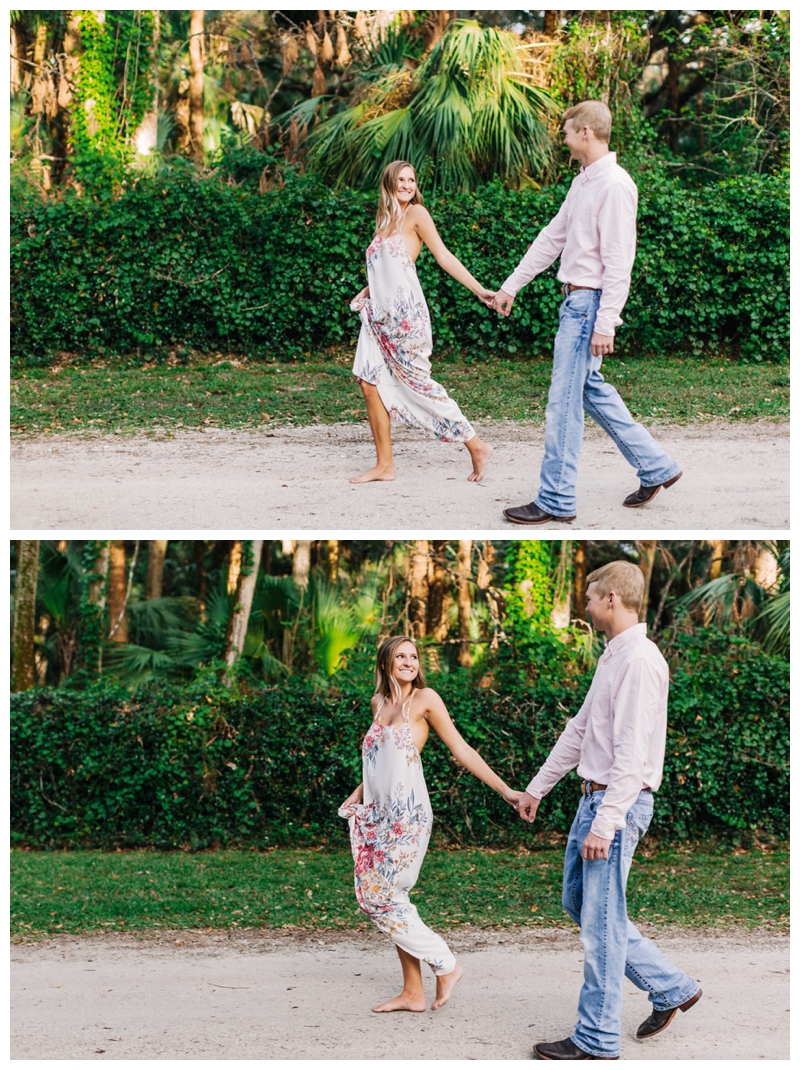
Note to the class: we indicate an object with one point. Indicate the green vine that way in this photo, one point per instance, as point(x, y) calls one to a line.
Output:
point(113, 91)
point(247, 557)
point(529, 588)
point(90, 616)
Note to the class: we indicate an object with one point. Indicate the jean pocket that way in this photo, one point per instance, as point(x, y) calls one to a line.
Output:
point(635, 828)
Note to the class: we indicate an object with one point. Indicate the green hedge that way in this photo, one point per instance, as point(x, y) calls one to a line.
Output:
point(198, 765)
point(179, 261)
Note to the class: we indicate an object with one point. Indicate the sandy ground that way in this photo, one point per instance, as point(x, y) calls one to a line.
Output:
point(255, 995)
point(736, 477)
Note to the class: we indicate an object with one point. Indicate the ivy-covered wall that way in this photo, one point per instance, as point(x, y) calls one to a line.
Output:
point(182, 260)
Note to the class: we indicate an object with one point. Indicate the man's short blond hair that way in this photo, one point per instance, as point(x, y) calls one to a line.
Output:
point(623, 578)
point(594, 114)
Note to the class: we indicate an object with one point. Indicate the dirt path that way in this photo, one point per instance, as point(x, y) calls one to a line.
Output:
point(736, 477)
point(256, 995)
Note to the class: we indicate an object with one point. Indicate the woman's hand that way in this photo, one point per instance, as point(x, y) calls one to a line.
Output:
point(363, 295)
point(486, 296)
point(510, 796)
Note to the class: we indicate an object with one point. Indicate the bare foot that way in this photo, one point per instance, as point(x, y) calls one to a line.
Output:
point(403, 1003)
point(379, 472)
point(445, 983)
point(480, 458)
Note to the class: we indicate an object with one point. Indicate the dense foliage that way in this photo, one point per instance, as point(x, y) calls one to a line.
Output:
point(274, 273)
point(197, 765)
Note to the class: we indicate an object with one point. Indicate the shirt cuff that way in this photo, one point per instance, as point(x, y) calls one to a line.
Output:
point(603, 326)
point(509, 288)
point(602, 827)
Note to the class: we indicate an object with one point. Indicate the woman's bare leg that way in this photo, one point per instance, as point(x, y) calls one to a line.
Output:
point(412, 998)
point(480, 452)
point(380, 423)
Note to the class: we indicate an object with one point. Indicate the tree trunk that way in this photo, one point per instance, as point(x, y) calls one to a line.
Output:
point(552, 22)
point(647, 553)
point(765, 570)
point(17, 53)
point(154, 577)
point(333, 560)
point(196, 85)
point(234, 565)
point(717, 552)
point(240, 613)
point(464, 602)
point(145, 140)
point(117, 616)
point(301, 562)
point(579, 579)
point(418, 589)
point(562, 588)
point(200, 573)
point(23, 674)
point(485, 562)
point(437, 592)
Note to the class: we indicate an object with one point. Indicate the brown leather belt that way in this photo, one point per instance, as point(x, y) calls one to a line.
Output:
point(567, 288)
point(594, 786)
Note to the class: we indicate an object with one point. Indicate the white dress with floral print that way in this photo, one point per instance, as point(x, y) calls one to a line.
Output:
point(395, 344)
point(389, 836)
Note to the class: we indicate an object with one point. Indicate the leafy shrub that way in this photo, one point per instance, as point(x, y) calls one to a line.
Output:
point(199, 765)
point(175, 260)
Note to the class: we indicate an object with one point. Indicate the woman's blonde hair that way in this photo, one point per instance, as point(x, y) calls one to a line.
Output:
point(385, 660)
point(388, 204)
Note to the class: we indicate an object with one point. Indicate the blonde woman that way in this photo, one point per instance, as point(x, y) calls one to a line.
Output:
point(390, 817)
point(392, 361)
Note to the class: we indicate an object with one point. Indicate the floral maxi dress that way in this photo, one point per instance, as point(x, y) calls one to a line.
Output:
point(395, 344)
point(389, 836)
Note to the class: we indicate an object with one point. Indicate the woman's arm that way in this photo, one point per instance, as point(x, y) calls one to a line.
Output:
point(426, 228)
point(354, 799)
point(441, 722)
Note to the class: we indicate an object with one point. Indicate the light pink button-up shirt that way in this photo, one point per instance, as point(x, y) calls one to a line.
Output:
point(619, 734)
point(595, 233)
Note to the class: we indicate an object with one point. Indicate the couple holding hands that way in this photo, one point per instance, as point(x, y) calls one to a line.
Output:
point(617, 742)
point(594, 233)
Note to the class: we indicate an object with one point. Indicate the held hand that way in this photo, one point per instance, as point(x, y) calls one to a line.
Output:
point(511, 796)
point(503, 302)
point(595, 848)
point(486, 297)
point(527, 807)
point(602, 344)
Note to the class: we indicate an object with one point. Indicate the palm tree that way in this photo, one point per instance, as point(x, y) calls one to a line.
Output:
point(469, 112)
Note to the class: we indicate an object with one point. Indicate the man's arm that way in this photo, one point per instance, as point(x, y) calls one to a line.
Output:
point(564, 756)
point(616, 223)
point(540, 255)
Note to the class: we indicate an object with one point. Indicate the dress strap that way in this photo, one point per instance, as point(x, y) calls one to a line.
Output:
point(406, 707)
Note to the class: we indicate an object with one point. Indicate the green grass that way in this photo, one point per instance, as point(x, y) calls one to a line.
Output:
point(90, 891)
point(115, 397)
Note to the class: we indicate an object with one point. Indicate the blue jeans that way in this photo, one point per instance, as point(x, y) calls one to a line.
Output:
point(594, 897)
point(577, 385)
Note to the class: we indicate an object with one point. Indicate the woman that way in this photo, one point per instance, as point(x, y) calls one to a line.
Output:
point(390, 816)
point(393, 357)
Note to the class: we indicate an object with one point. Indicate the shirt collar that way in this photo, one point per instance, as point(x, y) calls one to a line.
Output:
point(613, 645)
point(599, 165)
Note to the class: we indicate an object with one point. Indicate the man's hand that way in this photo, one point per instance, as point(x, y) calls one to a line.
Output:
point(595, 847)
point(602, 344)
point(503, 302)
point(527, 807)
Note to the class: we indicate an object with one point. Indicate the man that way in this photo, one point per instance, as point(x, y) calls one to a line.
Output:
point(595, 234)
point(617, 741)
